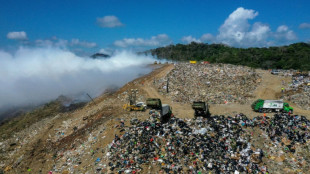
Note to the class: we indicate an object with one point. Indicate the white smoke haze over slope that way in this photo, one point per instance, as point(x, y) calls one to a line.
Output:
point(38, 75)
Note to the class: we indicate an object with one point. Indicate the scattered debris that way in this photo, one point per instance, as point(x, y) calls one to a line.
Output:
point(215, 83)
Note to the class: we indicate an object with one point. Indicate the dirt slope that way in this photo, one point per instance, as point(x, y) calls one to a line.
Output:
point(43, 145)
point(181, 110)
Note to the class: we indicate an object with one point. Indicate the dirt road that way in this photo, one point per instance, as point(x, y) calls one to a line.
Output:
point(269, 88)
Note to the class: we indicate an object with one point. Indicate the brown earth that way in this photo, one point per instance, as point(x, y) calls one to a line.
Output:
point(43, 144)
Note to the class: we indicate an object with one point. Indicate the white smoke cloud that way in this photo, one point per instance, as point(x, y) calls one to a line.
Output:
point(36, 75)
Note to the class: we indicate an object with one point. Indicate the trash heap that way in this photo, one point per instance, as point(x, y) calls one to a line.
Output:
point(219, 144)
point(293, 128)
point(215, 83)
point(289, 149)
point(299, 91)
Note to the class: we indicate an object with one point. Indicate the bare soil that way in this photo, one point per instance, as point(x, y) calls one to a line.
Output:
point(41, 145)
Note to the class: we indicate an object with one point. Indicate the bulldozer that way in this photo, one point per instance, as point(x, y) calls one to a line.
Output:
point(133, 106)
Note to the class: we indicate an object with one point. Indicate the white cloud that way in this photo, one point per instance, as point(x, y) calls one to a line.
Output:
point(236, 30)
point(207, 37)
point(204, 38)
point(62, 43)
point(284, 33)
point(77, 42)
point(304, 26)
point(54, 42)
point(282, 28)
point(189, 39)
point(47, 43)
point(17, 35)
point(109, 22)
point(159, 40)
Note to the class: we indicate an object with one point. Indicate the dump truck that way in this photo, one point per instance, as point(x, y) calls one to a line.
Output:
point(201, 109)
point(165, 109)
point(271, 106)
point(154, 103)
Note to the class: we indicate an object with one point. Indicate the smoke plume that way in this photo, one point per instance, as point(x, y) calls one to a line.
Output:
point(31, 76)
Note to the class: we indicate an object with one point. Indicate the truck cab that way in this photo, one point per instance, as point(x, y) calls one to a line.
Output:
point(287, 108)
point(201, 109)
point(275, 72)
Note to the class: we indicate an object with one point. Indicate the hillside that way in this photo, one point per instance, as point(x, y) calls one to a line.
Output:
point(91, 139)
point(294, 56)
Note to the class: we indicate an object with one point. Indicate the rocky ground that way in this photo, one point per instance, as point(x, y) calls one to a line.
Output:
point(80, 141)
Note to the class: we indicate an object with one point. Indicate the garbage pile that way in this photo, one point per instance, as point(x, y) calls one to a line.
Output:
point(215, 83)
point(300, 91)
point(294, 128)
point(219, 144)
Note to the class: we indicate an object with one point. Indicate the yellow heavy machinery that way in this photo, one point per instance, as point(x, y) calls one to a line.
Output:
point(133, 106)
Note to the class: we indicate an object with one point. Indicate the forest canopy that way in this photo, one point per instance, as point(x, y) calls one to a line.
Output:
point(294, 56)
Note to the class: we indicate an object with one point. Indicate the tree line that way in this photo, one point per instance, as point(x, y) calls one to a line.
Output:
point(294, 56)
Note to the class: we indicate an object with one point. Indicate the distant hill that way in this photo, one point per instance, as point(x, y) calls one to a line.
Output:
point(294, 56)
point(100, 55)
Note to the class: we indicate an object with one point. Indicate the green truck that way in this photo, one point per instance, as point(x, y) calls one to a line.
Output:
point(271, 106)
point(154, 103)
point(201, 109)
point(165, 109)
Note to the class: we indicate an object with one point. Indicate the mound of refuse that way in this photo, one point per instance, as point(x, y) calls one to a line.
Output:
point(299, 91)
point(219, 144)
point(215, 83)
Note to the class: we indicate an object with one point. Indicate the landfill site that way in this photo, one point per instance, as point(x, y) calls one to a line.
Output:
point(181, 118)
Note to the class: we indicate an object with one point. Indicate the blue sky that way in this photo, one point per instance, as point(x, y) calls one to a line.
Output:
point(91, 26)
